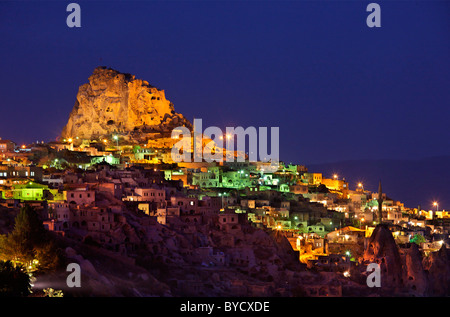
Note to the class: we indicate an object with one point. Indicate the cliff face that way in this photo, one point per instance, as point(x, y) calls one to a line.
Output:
point(114, 102)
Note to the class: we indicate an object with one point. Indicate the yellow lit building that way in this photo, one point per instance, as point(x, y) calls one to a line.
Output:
point(335, 184)
point(312, 178)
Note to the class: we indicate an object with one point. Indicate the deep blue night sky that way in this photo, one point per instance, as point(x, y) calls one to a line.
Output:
point(337, 89)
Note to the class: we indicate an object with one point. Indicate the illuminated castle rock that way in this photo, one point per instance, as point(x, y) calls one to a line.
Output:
point(113, 102)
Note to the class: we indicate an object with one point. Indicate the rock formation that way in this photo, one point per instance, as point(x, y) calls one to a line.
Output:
point(383, 250)
point(412, 274)
point(416, 280)
point(438, 266)
point(114, 102)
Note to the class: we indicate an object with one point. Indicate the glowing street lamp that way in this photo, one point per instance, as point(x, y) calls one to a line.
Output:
point(436, 205)
point(335, 176)
point(116, 137)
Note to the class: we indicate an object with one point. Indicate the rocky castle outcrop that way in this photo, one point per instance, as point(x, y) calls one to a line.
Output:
point(114, 102)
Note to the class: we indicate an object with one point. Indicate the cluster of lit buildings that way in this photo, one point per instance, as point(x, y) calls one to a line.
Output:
point(87, 186)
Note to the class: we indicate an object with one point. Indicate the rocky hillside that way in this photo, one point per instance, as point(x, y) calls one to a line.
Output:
point(114, 102)
point(167, 262)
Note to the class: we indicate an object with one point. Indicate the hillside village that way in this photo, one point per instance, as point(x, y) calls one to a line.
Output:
point(217, 228)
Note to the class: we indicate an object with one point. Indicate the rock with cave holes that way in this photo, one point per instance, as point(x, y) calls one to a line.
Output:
point(438, 266)
point(382, 249)
point(416, 279)
point(114, 102)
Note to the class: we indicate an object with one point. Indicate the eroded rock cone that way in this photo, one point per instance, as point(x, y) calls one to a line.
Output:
point(416, 280)
point(383, 250)
point(438, 266)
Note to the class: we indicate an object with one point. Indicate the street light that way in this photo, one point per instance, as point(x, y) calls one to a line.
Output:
point(436, 204)
point(116, 137)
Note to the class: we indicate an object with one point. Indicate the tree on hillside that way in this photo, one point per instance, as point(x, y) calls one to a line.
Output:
point(14, 281)
point(418, 239)
point(29, 226)
point(28, 241)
